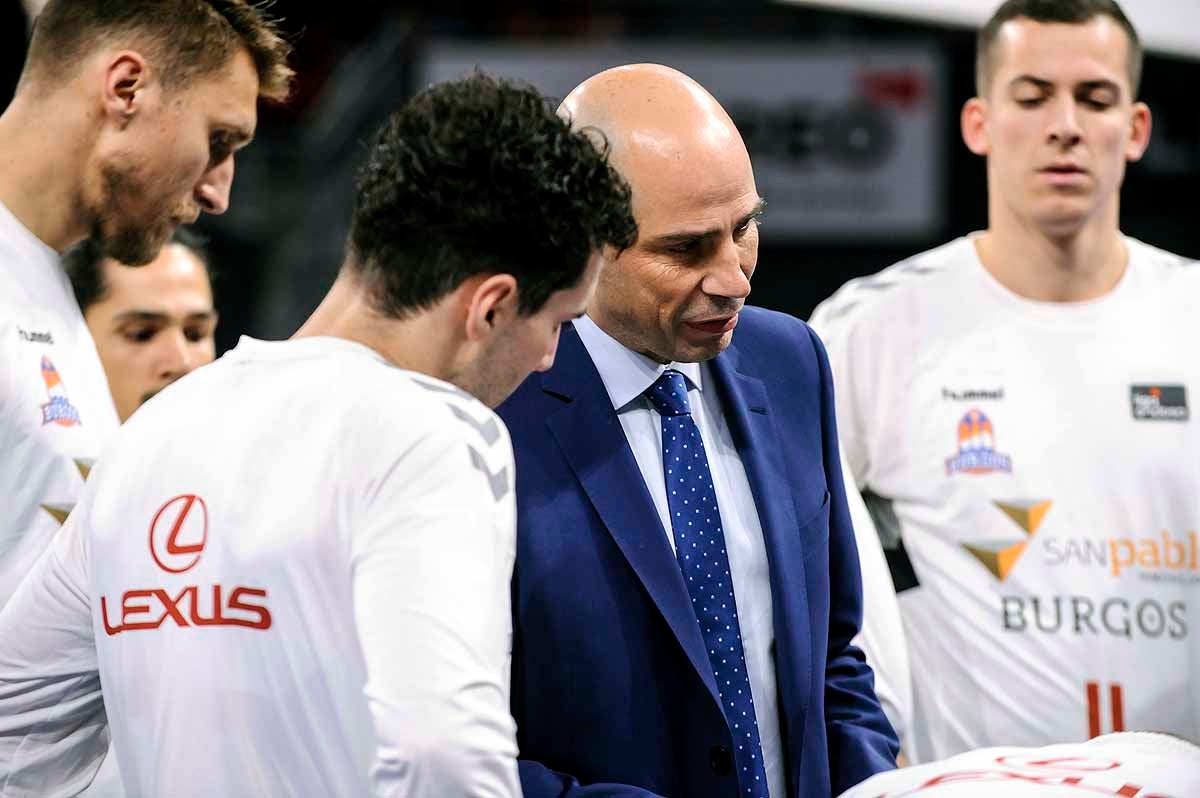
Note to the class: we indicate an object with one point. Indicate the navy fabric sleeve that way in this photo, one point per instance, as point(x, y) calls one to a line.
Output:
point(539, 781)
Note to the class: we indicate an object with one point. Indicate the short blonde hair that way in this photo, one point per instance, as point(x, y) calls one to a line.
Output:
point(187, 38)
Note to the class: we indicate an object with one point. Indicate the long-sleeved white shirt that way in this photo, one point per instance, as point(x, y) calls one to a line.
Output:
point(1038, 462)
point(55, 409)
point(291, 576)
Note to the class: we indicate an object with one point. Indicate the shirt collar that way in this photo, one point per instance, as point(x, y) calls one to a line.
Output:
point(35, 264)
point(626, 374)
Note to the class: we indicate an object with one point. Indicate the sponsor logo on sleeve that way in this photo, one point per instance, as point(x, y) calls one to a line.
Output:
point(1158, 402)
point(977, 447)
point(59, 409)
point(179, 534)
point(974, 394)
point(36, 336)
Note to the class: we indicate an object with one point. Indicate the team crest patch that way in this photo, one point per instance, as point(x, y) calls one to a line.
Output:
point(59, 409)
point(977, 447)
point(1158, 402)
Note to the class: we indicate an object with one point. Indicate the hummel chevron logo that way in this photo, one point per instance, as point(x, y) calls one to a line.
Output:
point(498, 481)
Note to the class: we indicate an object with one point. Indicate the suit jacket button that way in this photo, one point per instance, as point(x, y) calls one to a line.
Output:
point(720, 759)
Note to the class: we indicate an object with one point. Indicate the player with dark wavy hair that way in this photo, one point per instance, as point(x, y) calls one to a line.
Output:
point(513, 194)
point(301, 555)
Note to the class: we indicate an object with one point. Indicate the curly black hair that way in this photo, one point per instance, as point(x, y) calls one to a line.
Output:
point(477, 176)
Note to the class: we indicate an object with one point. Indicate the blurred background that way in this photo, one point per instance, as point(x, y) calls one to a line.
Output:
point(849, 109)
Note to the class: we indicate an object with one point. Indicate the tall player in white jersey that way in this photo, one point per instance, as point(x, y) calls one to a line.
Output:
point(118, 131)
point(291, 571)
point(1017, 406)
point(124, 124)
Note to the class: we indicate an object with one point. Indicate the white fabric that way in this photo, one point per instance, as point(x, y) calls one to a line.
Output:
point(1136, 765)
point(56, 412)
point(358, 522)
point(49, 436)
point(882, 637)
point(626, 376)
point(1074, 501)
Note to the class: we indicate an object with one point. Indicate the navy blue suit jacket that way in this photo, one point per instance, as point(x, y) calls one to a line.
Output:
point(612, 689)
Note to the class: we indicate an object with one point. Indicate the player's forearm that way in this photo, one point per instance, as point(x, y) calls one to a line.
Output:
point(460, 742)
point(53, 729)
point(53, 735)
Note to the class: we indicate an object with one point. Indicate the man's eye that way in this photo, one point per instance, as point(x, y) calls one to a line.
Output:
point(139, 335)
point(194, 335)
point(683, 249)
point(219, 149)
point(1097, 104)
point(1029, 102)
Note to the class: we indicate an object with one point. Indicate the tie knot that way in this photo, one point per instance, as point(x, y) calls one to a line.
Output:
point(668, 394)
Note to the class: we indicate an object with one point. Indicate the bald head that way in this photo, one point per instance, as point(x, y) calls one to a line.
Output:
point(675, 294)
point(654, 116)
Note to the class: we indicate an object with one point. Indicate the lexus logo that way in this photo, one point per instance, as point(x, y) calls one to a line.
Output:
point(178, 533)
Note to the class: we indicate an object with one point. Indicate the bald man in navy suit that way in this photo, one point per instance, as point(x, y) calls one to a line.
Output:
point(687, 584)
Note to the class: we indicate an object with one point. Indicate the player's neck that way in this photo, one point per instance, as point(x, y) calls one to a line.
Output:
point(414, 343)
point(40, 164)
point(1073, 267)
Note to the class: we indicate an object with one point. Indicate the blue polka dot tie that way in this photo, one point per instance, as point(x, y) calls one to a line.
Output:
point(700, 549)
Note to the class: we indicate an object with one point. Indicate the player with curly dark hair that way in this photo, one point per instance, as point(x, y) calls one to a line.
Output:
point(450, 191)
point(343, 507)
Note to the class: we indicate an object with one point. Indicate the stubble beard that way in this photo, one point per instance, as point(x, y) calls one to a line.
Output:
point(132, 244)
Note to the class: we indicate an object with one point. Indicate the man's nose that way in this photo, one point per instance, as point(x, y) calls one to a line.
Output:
point(728, 277)
point(175, 356)
point(212, 192)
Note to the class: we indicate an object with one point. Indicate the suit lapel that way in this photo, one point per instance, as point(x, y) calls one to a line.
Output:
point(747, 409)
point(592, 440)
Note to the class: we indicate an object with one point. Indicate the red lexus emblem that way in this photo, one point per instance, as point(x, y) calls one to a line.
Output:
point(178, 533)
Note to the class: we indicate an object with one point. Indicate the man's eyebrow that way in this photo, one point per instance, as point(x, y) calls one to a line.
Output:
point(1037, 82)
point(1088, 86)
point(756, 212)
point(1083, 86)
point(689, 237)
point(154, 317)
point(140, 315)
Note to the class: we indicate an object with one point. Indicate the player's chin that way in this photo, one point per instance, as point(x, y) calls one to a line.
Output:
point(134, 246)
point(1062, 217)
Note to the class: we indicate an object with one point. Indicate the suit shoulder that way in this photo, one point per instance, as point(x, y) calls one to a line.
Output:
point(527, 407)
point(772, 343)
point(767, 328)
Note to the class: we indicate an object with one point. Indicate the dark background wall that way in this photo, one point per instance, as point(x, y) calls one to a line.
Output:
point(279, 246)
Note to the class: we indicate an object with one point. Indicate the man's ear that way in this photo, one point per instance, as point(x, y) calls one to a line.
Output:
point(1139, 133)
point(125, 82)
point(491, 303)
point(974, 126)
